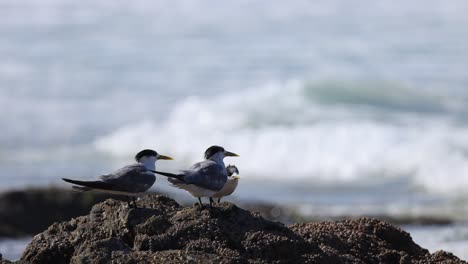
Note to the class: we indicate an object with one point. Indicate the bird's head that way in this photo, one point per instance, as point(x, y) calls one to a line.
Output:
point(218, 152)
point(149, 155)
point(233, 172)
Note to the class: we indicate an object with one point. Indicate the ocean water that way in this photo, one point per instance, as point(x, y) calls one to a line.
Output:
point(338, 108)
point(449, 238)
point(11, 249)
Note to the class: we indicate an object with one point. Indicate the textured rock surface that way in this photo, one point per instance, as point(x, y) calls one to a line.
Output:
point(165, 232)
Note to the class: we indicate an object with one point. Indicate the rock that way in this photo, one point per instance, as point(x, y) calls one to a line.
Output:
point(162, 231)
point(365, 240)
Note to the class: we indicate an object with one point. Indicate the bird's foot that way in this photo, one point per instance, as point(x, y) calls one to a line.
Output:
point(131, 205)
point(200, 202)
point(197, 204)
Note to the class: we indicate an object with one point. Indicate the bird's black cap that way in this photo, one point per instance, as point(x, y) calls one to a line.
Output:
point(145, 152)
point(213, 150)
point(231, 169)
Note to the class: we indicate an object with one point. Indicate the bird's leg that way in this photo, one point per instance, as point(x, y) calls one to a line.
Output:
point(211, 201)
point(134, 202)
point(128, 202)
point(219, 199)
point(199, 200)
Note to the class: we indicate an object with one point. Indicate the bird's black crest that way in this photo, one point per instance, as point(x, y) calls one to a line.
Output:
point(231, 169)
point(145, 152)
point(212, 150)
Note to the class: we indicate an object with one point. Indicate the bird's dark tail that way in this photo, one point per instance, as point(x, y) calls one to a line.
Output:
point(91, 184)
point(174, 181)
point(171, 175)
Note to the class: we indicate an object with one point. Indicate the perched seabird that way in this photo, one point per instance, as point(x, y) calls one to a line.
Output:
point(231, 183)
point(205, 178)
point(130, 180)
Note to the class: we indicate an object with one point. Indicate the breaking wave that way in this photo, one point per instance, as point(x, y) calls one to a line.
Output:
point(325, 132)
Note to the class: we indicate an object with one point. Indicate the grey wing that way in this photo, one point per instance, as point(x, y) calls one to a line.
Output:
point(131, 178)
point(206, 174)
point(199, 165)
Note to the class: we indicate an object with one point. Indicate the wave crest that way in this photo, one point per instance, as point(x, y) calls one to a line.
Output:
point(283, 136)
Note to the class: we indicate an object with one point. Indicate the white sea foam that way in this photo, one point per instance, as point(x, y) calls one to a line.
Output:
point(283, 133)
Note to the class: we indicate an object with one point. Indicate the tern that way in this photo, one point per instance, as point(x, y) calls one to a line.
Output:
point(231, 183)
point(205, 178)
point(130, 180)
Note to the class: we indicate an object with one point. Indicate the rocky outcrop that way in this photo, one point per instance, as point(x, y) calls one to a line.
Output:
point(162, 231)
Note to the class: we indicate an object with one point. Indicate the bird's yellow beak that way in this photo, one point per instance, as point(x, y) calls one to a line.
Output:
point(163, 157)
point(235, 177)
point(230, 154)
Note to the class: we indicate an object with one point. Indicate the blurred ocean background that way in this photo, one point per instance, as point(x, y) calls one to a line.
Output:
point(336, 107)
